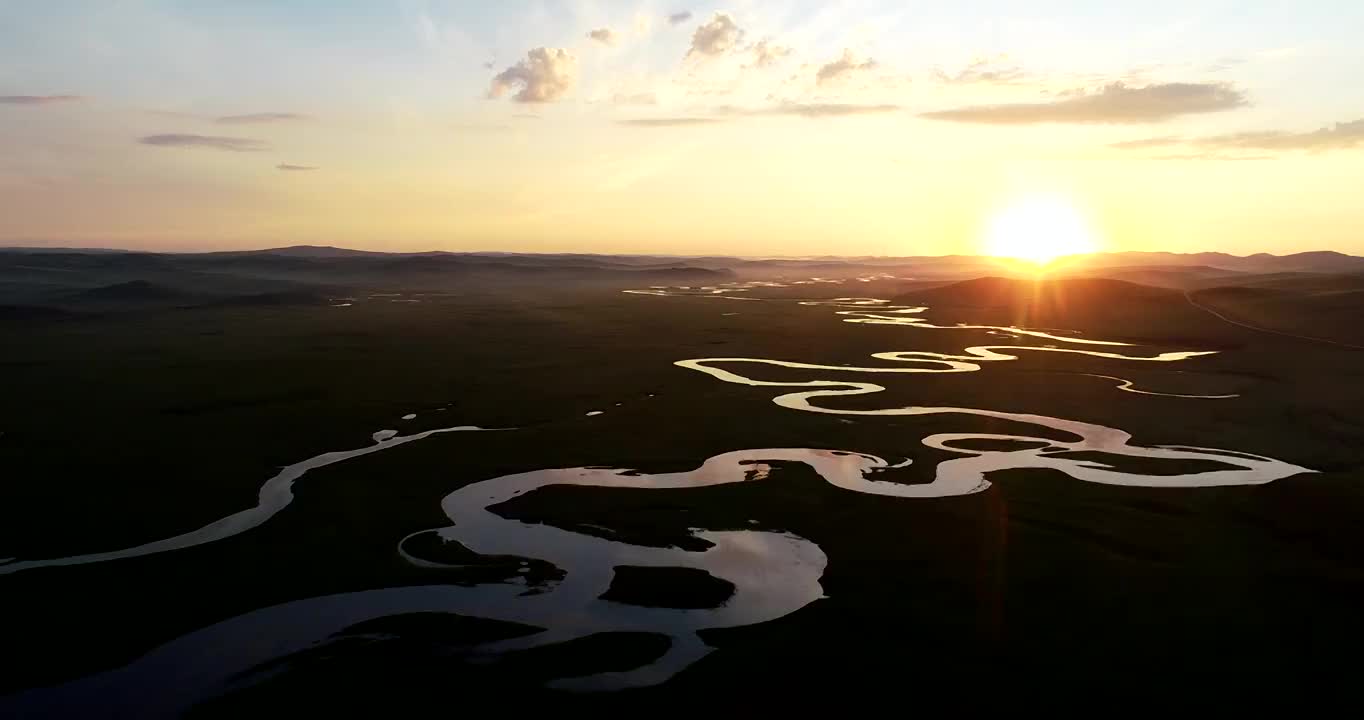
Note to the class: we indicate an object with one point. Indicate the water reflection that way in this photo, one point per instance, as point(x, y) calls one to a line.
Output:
point(274, 495)
point(772, 573)
point(965, 475)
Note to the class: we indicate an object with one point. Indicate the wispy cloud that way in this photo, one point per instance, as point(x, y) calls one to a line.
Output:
point(678, 18)
point(716, 37)
point(37, 99)
point(481, 127)
point(1209, 156)
point(546, 75)
point(177, 114)
point(294, 168)
point(997, 70)
point(1340, 136)
point(1150, 142)
point(212, 142)
point(644, 98)
point(1335, 137)
point(1225, 63)
point(1115, 103)
point(794, 109)
point(815, 110)
point(842, 67)
point(605, 36)
point(766, 53)
point(257, 118)
point(669, 122)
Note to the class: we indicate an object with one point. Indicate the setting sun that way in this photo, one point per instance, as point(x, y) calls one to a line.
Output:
point(1039, 229)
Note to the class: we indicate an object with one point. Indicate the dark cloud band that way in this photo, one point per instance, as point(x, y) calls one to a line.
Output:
point(1116, 103)
point(37, 99)
point(255, 118)
point(212, 142)
point(1340, 136)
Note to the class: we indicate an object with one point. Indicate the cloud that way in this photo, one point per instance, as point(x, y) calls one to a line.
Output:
point(1147, 142)
point(481, 127)
point(646, 98)
point(1340, 136)
point(678, 18)
point(254, 118)
point(294, 168)
point(178, 115)
point(716, 37)
point(795, 109)
point(214, 142)
point(1116, 103)
point(546, 75)
point(1225, 63)
point(669, 121)
point(817, 110)
point(765, 54)
point(995, 70)
point(37, 99)
point(842, 67)
point(605, 36)
point(1210, 156)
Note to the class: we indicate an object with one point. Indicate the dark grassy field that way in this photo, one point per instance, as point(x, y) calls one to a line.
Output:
point(125, 427)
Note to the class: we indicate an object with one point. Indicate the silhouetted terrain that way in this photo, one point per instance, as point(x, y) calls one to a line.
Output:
point(150, 395)
point(1325, 306)
point(80, 280)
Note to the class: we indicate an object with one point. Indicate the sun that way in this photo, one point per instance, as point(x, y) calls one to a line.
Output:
point(1039, 229)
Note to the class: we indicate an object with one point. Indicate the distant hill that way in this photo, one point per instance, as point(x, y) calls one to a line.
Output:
point(1180, 277)
point(1320, 262)
point(131, 291)
point(1308, 283)
point(40, 249)
point(305, 251)
point(1329, 307)
point(1043, 293)
point(112, 280)
point(1313, 261)
point(1111, 309)
point(1317, 261)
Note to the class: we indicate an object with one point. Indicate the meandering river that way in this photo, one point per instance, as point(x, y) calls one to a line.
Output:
point(772, 573)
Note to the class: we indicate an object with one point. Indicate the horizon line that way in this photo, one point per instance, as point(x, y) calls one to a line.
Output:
point(96, 248)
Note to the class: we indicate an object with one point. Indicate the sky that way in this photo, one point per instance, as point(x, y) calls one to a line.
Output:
point(742, 128)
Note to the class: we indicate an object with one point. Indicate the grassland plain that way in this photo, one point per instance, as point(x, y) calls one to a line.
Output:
point(134, 426)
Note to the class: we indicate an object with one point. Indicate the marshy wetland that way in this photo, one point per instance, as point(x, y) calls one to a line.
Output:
point(591, 496)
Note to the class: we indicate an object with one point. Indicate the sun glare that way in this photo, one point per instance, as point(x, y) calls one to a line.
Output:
point(1039, 229)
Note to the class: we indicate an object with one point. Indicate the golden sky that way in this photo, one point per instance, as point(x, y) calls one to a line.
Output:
point(792, 128)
